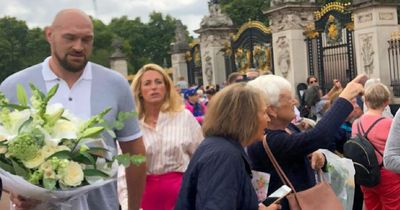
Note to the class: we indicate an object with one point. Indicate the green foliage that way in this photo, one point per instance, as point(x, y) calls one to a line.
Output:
point(24, 147)
point(102, 49)
point(21, 47)
point(126, 159)
point(49, 163)
point(145, 43)
point(37, 48)
point(6, 165)
point(21, 95)
point(94, 172)
point(13, 37)
point(35, 177)
point(64, 154)
point(122, 117)
point(49, 184)
point(20, 170)
point(328, 1)
point(241, 11)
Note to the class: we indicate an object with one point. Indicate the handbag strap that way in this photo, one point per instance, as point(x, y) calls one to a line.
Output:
point(365, 134)
point(277, 167)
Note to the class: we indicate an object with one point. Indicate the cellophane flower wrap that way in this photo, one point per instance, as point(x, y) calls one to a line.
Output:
point(50, 155)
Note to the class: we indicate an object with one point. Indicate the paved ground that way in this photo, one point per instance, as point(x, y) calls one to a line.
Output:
point(4, 202)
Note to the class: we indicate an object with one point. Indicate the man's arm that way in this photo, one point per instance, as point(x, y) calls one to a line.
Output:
point(391, 155)
point(135, 175)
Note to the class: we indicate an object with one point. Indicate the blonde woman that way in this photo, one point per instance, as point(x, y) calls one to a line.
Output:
point(171, 135)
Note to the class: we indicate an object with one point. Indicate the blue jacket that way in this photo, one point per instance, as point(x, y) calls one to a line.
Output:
point(291, 150)
point(218, 177)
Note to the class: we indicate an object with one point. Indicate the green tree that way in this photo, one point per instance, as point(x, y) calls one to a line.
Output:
point(102, 49)
point(163, 30)
point(134, 46)
point(145, 43)
point(13, 39)
point(37, 47)
point(241, 11)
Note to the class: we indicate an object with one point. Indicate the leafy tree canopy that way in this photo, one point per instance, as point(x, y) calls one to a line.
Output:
point(241, 11)
point(19, 46)
point(143, 43)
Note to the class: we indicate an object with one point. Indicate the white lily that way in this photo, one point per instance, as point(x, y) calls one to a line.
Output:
point(102, 165)
point(10, 129)
point(5, 134)
point(71, 117)
point(18, 118)
point(54, 108)
point(63, 129)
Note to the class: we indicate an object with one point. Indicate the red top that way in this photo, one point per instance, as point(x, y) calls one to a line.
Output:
point(379, 133)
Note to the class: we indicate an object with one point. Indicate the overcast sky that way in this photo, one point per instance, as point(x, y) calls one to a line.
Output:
point(39, 13)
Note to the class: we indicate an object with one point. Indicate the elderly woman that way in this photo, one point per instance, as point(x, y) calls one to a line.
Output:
point(219, 175)
point(295, 150)
point(385, 195)
point(170, 132)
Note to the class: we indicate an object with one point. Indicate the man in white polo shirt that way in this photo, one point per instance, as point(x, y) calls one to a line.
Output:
point(85, 89)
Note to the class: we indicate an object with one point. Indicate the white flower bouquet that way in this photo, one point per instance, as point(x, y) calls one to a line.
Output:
point(50, 155)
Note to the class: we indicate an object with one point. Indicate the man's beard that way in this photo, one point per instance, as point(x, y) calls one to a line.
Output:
point(68, 66)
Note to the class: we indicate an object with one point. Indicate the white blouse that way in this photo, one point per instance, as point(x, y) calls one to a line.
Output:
point(169, 146)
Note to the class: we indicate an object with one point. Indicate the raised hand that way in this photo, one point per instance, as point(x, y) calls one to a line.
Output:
point(354, 87)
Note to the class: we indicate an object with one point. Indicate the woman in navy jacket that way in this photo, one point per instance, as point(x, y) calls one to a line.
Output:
point(219, 176)
point(296, 151)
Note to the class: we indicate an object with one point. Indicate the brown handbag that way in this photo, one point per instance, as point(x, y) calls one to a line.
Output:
point(319, 197)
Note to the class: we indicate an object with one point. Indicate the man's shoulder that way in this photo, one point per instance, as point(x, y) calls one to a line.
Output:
point(31, 74)
point(24, 75)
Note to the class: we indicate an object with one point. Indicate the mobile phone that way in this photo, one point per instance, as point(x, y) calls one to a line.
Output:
point(276, 196)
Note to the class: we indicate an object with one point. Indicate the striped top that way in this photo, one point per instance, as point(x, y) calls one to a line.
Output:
point(170, 145)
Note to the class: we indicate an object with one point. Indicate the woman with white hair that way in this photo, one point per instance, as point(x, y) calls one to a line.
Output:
point(386, 112)
point(296, 151)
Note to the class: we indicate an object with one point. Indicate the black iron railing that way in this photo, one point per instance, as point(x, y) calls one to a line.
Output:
point(394, 64)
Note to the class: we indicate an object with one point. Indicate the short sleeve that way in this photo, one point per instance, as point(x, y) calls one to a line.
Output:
point(131, 130)
point(197, 133)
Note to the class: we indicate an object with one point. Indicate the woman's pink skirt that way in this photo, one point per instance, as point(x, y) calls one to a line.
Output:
point(161, 191)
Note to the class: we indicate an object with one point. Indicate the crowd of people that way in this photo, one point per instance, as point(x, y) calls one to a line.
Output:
point(201, 145)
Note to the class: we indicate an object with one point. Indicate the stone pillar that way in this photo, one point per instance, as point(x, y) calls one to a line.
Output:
point(373, 24)
point(118, 60)
point(179, 66)
point(212, 58)
point(178, 53)
point(214, 36)
point(287, 22)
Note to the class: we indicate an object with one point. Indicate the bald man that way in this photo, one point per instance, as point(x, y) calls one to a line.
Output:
point(85, 89)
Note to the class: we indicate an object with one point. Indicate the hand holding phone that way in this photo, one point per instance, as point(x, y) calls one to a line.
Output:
point(276, 196)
